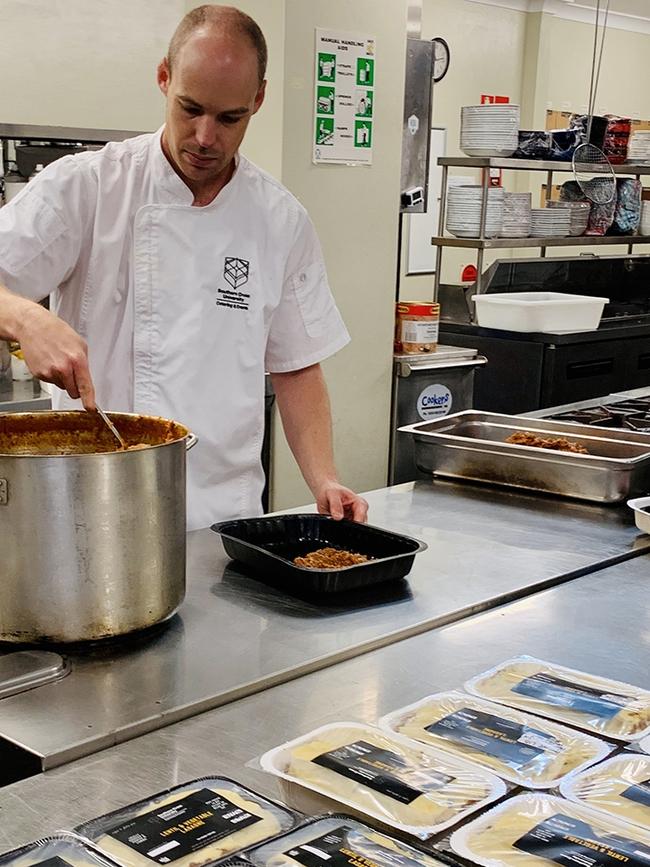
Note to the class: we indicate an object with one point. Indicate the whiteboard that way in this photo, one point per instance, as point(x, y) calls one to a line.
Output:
point(421, 254)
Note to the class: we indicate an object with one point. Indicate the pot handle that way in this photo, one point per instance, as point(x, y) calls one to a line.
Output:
point(190, 441)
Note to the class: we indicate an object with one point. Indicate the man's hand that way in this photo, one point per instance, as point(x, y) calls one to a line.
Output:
point(53, 351)
point(340, 502)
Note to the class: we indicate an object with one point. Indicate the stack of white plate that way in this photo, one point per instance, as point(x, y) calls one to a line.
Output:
point(489, 130)
point(550, 222)
point(464, 211)
point(579, 215)
point(644, 228)
point(638, 150)
point(516, 215)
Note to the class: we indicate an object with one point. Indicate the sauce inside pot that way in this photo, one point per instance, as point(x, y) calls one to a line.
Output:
point(82, 433)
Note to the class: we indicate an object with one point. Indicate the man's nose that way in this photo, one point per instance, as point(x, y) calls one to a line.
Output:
point(206, 131)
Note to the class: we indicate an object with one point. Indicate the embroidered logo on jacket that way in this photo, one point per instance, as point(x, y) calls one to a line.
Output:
point(236, 271)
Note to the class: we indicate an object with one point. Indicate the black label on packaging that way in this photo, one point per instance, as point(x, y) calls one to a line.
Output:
point(574, 843)
point(382, 770)
point(565, 693)
point(345, 847)
point(640, 793)
point(513, 743)
point(188, 825)
point(54, 861)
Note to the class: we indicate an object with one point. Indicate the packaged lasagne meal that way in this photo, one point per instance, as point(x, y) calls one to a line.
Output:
point(59, 850)
point(524, 749)
point(413, 788)
point(597, 704)
point(620, 786)
point(530, 829)
point(338, 841)
point(197, 823)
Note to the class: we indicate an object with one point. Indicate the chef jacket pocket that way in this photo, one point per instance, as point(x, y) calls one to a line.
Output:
point(33, 226)
point(314, 298)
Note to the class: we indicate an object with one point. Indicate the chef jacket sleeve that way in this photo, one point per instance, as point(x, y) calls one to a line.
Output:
point(43, 227)
point(306, 327)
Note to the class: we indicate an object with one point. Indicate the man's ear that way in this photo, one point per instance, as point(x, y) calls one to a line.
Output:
point(163, 75)
point(259, 98)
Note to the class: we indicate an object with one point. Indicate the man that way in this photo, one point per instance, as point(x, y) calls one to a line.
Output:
point(180, 271)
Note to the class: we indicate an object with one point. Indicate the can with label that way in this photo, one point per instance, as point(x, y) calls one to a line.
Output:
point(416, 326)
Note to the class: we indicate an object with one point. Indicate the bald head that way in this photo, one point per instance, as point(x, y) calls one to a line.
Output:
point(225, 21)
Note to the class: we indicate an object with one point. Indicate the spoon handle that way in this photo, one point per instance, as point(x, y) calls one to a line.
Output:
point(111, 427)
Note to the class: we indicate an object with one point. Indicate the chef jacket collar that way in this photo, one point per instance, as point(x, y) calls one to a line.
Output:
point(173, 190)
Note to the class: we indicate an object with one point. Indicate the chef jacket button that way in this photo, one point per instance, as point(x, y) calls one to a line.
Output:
point(117, 296)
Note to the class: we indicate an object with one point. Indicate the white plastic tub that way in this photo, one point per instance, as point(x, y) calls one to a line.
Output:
point(556, 312)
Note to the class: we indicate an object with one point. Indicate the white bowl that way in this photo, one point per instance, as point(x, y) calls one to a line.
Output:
point(642, 519)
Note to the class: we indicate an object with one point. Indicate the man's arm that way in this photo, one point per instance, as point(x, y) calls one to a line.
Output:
point(304, 407)
point(53, 351)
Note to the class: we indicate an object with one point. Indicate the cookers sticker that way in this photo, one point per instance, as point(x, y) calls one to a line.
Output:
point(433, 402)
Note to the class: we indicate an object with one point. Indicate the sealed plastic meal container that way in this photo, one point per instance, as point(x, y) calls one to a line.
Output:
point(555, 312)
point(620, 786)
point(200, 822)
point(415, 789)
point(527, 830)
point(645, 745)
point(524, 749)
point(605, 707)
point(338, 841)
point(58, 850)
point(269, 545)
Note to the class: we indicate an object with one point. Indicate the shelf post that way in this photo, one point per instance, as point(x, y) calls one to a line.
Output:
point(441, 230)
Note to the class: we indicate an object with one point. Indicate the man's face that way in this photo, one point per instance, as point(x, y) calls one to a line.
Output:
point(212, 93)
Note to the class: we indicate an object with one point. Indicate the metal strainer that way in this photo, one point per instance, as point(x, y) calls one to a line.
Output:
point(591, 168)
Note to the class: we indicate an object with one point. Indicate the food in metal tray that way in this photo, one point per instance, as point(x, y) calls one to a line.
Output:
point(330, 558)
point(191, 825)
point(556, 444)
point(620, 786)
point(519, 747)
point(597, 704)
point(415, 789)
point(530, 829)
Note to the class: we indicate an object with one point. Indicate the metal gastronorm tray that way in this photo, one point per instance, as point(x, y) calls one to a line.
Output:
point(471, 445)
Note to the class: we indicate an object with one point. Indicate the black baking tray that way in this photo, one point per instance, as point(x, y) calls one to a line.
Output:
point(268, 546)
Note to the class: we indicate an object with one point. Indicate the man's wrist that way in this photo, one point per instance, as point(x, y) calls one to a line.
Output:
point(22, 314)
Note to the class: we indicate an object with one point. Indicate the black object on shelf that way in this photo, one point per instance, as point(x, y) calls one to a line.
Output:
point(269, 545)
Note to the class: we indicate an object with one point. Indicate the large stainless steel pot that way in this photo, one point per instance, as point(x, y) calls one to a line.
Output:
point(92, 544)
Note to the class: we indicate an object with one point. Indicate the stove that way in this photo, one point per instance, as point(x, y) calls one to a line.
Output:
point(631, 414)
point(527, 372)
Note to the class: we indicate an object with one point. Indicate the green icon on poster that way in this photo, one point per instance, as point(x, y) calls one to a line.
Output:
point(325, 102)
point(363, 103)
point(326, 67)
point(362, 134)
point(324, 130)
point(365, 71)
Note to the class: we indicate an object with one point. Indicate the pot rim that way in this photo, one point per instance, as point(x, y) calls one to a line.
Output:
point(188, 438)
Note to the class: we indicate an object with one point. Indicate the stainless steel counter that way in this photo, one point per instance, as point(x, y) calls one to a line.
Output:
point(598, 622)
point(22, 396)
point(234, 637)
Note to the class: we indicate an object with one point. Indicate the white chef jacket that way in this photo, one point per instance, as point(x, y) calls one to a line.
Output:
point(183, 308)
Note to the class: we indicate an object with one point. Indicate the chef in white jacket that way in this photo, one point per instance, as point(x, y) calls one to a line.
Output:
point(179, 273)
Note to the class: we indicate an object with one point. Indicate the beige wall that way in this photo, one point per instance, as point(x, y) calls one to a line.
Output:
point(93, 64)
point(355, 212)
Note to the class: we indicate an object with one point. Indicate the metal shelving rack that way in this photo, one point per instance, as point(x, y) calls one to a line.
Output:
point(14, 132)
point(482, 243)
